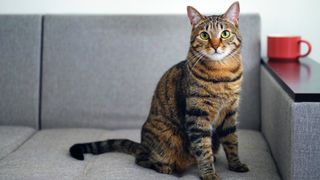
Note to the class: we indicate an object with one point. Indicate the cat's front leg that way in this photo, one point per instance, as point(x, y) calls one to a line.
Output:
point(199, 130)
point(229, 142)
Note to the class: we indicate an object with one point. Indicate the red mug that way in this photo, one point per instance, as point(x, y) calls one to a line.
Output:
point(286, 47)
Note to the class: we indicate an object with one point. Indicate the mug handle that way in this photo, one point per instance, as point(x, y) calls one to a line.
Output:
point(309, 48)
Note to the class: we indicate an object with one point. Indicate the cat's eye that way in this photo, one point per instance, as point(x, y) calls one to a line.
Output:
point(204, 35)
point(225, 34)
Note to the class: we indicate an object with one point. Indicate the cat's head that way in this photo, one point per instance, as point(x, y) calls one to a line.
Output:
point(215, 37)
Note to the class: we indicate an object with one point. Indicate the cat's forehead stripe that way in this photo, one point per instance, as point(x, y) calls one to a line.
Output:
point(214, 22)
point(207, 27)
point(221, 26)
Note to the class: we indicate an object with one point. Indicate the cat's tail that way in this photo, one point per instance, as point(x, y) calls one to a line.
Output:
point(112, 145)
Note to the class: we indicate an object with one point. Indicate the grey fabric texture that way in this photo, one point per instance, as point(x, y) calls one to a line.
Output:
point(19, 69)
point(249, 114)
point(45, 156)
point(276, 121)
point(292, 131)
point(11, 137)
point(306, 141)
point(101, 71)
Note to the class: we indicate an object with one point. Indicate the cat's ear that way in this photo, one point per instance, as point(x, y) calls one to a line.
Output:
point(232, 14)
point(194, 16)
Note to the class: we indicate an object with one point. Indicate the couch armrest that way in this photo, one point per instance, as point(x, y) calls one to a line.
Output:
point(292, 130)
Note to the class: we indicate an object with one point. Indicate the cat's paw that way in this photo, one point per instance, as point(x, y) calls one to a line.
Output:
point(239, 167)
point(76, 152)
point(166, 170)
point(210, 177)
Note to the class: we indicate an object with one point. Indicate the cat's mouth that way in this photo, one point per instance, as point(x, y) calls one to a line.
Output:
point(213, 51)
point(216, 53)
point(216, 56)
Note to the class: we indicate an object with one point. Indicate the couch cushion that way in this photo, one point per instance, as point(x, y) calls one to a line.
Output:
point(11, 137)
point(105, 68)
point(19, 69)
point(45, 156)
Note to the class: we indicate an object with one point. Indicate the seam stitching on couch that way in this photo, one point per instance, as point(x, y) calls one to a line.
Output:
point(41, 73)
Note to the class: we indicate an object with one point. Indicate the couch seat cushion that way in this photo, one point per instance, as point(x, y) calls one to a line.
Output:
point(11, 137)
point(45, 156)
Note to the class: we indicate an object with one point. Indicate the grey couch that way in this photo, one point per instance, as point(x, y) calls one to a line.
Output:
point(67, 79)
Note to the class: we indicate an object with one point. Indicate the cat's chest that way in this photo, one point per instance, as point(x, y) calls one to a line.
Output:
point(223, 88)
point(218, 90)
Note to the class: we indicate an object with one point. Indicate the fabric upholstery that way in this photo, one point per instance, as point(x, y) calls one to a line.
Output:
point(11, 137)
point(249, 116)
point(101, 71)
point(306, 142)
point(276, 121)
point(45, 156)
point(19, 69)
point(292, 131)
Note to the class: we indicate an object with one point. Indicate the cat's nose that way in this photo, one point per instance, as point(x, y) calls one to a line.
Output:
point(215, 43)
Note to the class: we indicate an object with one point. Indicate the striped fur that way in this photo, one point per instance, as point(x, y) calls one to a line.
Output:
point(194, 107)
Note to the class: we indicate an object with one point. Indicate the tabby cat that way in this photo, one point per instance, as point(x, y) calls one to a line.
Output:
point(194, 107)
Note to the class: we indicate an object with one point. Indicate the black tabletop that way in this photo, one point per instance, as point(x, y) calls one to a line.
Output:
point(301, 80)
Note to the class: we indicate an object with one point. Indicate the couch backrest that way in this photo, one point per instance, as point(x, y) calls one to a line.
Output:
point(20, 39)
point(101, 71)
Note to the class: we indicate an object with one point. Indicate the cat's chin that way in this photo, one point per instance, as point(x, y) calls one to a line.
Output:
point(216, 56)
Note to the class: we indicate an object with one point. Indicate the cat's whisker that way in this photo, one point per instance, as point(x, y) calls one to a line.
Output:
point(196, 56)
point(199, 59)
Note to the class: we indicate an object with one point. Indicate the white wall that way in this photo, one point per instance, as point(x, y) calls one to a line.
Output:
point(299, 17)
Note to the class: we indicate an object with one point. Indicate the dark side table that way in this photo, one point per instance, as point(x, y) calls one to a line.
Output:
point(301, 80)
